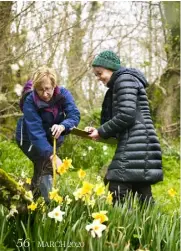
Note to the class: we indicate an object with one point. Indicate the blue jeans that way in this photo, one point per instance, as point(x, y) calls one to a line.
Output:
point(45, 186)
point(41, 182)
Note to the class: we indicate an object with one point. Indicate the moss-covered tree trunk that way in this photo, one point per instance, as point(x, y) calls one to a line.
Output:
point(166, 96)
point(11, 193)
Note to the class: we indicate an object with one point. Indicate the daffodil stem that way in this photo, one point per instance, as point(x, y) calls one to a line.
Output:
point(54, 162)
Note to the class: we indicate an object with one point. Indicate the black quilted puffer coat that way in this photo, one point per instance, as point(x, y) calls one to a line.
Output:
point(126, 116)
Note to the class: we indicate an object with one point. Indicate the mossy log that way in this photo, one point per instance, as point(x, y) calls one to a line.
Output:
point(11, 193)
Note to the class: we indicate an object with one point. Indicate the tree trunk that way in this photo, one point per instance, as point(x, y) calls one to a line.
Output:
point(11, 193)
point(166, 97)
point(5, 52)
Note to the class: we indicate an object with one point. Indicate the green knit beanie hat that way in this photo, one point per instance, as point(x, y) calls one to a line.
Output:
point(108, 60)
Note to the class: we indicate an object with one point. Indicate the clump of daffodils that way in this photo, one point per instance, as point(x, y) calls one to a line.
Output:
point(84, 192)
point(53, 195)
point(89, 192)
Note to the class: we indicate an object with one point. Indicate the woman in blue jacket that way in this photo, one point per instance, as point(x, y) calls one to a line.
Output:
point(48, 111)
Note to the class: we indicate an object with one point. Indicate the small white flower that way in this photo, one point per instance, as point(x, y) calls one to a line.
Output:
point(84, 154)
point(23, 174)
point(20, 183)
point(14, 67)
point(21, 63)
point(98, 178)
point(105, 153)
point(96, 228)
point(56, 214)
point(90, 148)
point(18, 89)
point(104, 148)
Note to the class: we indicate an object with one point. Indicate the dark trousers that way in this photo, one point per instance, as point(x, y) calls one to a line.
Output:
point(120, 190)
point(41, 182)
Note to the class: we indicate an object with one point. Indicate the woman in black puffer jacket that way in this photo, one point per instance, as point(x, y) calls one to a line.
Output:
point(137, 162)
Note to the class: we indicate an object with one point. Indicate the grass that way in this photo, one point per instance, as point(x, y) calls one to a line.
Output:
point(128, 228)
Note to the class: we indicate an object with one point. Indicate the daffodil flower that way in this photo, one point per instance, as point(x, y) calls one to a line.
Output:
point(78, 194)
point(62, 169)
point(81, 174)
point(96, 228)
point(58, 199)
point(32, 206)
point(101, 216)
point(28, 181)
point(109, 198)
point(56, 214)
point(172, 192)
point(53, 193)
point(67, 163)
point(87, 188)
point(99, 189)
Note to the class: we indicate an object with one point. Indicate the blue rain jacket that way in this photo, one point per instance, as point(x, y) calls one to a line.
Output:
point(39, 116)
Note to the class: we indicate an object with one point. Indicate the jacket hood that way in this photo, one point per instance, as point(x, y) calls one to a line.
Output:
point(132, 71)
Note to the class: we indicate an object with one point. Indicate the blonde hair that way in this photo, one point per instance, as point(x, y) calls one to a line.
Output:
point(42, 72)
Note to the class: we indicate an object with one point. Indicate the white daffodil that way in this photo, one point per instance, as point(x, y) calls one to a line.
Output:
point(104, 148)
point(96, 228)
point(56, 214)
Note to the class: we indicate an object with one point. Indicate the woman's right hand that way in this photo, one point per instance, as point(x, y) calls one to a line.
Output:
point(58, 161)
point(89, 129)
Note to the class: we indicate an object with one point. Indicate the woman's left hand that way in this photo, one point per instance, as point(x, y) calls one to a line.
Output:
point(94, 134)
point(57, 130)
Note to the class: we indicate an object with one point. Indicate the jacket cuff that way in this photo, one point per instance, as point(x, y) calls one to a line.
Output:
point(102, 133)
